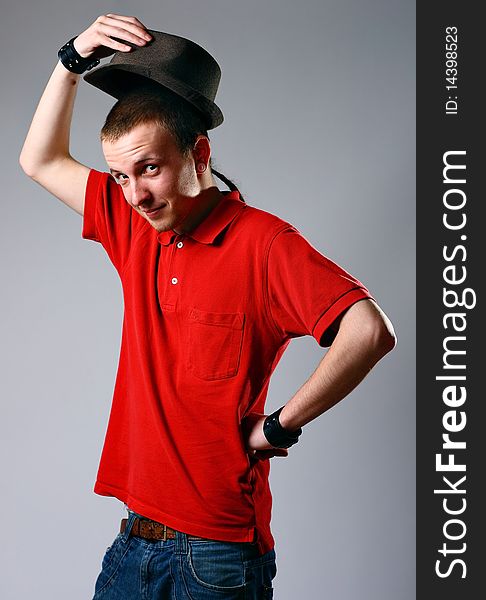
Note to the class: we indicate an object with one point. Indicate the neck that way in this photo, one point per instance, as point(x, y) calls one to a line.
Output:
point(207, 199)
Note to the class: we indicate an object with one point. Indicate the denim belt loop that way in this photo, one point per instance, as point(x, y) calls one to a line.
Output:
point(181, 544)
point(126, 534)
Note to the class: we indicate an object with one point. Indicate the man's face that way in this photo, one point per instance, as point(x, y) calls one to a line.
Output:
point(155, 176)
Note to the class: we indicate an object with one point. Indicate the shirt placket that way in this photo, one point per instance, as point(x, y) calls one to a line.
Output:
point(172, 276)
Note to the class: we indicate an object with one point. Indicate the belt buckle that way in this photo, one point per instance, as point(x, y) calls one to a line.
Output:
point(165, 533)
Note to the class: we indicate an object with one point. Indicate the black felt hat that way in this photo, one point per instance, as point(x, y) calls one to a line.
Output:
point(169, 60)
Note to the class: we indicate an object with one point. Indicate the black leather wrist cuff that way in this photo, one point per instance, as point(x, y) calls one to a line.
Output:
point(73, 61)
point(276, 435)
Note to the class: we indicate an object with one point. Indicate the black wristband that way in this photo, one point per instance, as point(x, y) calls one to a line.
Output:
point(276, 435)
point(73, 61)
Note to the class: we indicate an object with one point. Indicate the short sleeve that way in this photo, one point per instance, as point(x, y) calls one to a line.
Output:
point(306, 290)
point(107, 217)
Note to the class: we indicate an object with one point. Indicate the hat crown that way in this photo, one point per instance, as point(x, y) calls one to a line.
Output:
point(169, 60)
point(176, 56)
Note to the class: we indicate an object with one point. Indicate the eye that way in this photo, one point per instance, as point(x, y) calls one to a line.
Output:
point(154, 168)
point(119, 178)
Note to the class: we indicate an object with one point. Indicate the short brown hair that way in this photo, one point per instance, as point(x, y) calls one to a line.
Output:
point(150, 104)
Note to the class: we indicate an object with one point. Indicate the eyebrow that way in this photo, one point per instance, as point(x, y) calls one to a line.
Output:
point(140, 160)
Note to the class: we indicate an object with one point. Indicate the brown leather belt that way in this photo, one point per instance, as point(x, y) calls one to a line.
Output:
point(151, 530)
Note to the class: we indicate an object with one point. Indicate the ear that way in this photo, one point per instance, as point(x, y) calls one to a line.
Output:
point(201, 151)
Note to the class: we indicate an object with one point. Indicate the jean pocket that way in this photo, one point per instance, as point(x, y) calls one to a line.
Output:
point(217, 566)
point(110, 552)
point(111, 564)
point(214, 343)
point(262, 571)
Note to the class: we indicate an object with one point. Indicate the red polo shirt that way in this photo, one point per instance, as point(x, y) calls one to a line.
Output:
point(207, 316)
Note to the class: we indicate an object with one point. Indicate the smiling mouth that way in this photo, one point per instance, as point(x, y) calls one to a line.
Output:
point(154, 211)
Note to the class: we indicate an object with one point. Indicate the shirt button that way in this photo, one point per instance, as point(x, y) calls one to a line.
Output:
point(180, 244)
point(174, 280)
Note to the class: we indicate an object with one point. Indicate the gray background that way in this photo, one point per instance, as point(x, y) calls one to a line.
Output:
point(319, 101)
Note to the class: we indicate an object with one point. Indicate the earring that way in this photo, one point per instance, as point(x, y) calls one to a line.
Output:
point(201, 167)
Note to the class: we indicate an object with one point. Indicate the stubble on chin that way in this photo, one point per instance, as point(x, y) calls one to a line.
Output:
point(162, 225)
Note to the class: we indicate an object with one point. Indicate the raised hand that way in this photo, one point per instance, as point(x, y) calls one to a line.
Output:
point(104, 37)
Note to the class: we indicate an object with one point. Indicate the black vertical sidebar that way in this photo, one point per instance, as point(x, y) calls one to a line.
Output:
point(451, 268)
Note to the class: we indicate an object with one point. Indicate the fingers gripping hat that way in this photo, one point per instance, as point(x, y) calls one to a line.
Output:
point(169, 60)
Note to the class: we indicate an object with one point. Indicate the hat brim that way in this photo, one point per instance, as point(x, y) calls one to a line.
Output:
point(120, 79)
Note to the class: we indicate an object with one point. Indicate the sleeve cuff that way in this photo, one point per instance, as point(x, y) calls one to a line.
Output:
point(340, 305)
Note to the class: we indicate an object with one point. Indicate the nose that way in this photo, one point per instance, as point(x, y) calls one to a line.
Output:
point(139, 194)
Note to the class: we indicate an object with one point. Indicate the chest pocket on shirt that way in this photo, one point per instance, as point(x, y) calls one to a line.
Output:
point(215, 340)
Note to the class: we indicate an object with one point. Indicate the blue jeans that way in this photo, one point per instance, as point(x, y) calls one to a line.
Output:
point(134, 568)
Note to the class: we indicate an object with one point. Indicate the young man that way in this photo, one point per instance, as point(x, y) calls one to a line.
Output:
point(214, 291)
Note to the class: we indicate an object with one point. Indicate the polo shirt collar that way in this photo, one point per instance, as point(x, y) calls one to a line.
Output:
point(209, 228)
